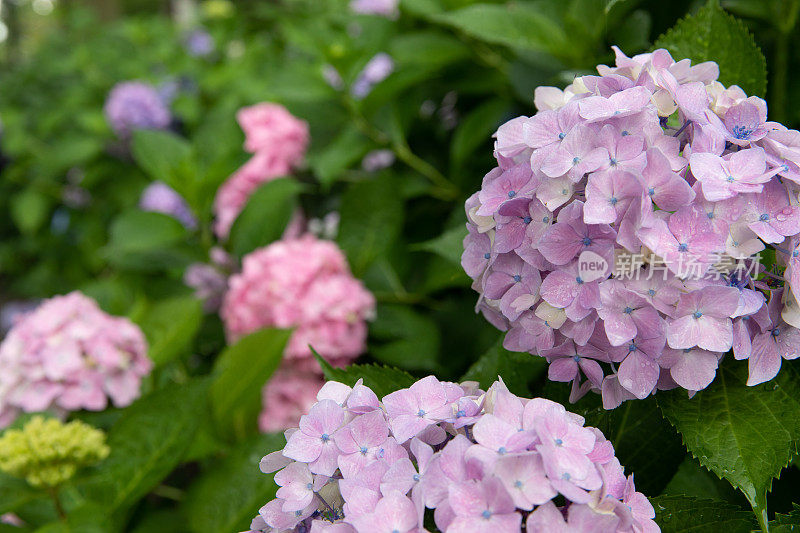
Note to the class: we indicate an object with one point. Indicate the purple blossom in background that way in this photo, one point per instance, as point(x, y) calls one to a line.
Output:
point(332, 77)
point(133, 105)
point(384, 8)
point(482, 462)
point(377, 160)
point(375, 71)
point(199, 43)
point(624, 249)
point(161, 198)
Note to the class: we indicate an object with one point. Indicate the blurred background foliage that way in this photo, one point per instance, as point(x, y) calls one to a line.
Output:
point(69, 188)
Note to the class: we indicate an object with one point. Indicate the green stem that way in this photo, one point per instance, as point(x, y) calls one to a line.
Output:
point(53, 491)
point(445, 189)
point(759, 504)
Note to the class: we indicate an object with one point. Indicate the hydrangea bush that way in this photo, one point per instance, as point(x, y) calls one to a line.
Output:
point(621, 235)
point(482, 461)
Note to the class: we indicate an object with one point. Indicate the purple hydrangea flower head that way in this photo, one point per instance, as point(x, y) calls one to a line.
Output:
point(162, 198)
point(133, 105)
point(624, 247)
point(516, 462)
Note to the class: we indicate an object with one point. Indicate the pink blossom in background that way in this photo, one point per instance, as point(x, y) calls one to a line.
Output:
point(287, 396)
point(302, 283)
point(133, 105)
point(271, 128)
point(69, 355)
point(619, 243)
point(232, 196)
point(385, 8)
point(278, 141)
point(483, 462)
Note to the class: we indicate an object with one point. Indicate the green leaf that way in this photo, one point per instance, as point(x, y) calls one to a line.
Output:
point(381, 379)
point(637, 428)
point(265, 216)
point(711, 34)
point(786, 523)
point(240, 373)
point(228, 496)
point(440, 49)
point(170, 327)
point(696, 481)
point(746, 435)
point(330, 162)
point(165, 157)
point(29, 210)
point(516, 25)
point(518, 370)
point(449, 245)
point(371, 220)
point(147, 240)
point(14, 492)
point(679, 514)
point(412, 339)
point(476, 129)
point(147, 442)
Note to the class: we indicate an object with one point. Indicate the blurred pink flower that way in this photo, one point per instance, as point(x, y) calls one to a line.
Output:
point(69, 355)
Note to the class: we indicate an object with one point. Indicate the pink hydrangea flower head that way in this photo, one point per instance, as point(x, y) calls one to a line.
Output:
point(515, 461)
point(271, 128)
point(133, 105)
point(232, 195)
point(286, 397)
point(69, 355)
point(619, 234)
point(305, 284)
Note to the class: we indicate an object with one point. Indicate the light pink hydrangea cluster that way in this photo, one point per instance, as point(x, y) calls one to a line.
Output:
point(483, 462)
point(620, 235)
point(278, 142)
point(302, 283)
point(69, 355)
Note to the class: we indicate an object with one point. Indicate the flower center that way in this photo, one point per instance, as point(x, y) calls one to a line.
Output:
point(526, 220)
point(742, 132)
point(561, 136)
point(587, 241)
point(421, 413)
point(487, 514)
point(487, 255)
point(628, 310)
point(651, 292)
point(512, 194)
point(559, 442)
point(517, 278)
point(682, 247)
point(697, 314)
point(325, 437)
point(578, 280)
point(576, 160)
point(764, 217)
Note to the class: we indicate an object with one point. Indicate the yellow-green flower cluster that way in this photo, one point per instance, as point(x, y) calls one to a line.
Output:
point(48, 452)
